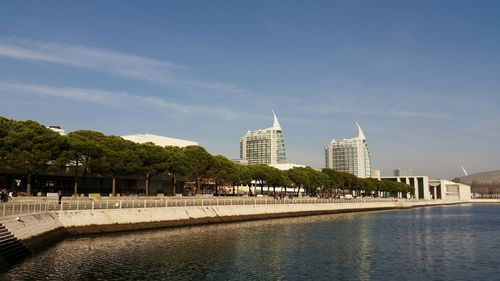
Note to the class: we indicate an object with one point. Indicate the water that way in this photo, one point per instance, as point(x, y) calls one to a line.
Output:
point(438, 243)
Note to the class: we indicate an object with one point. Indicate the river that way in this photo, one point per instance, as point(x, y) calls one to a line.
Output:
point(434, 243)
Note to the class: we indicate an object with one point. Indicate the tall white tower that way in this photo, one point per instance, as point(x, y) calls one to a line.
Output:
point(349, 155)
point(264, 146)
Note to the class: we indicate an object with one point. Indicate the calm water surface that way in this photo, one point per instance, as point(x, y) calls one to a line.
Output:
point(438, 243)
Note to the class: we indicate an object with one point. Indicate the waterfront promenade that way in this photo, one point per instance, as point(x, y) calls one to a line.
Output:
point(36, 221)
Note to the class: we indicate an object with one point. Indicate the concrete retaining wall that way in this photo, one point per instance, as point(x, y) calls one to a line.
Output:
point(38, 230)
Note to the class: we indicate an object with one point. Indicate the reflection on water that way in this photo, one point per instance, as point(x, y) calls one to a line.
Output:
point(439, 243)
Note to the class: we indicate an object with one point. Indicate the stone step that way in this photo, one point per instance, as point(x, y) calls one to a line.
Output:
point(9, 245)
point(5, 234)
point(16, 256)
point(11, 248)
point(7, 239)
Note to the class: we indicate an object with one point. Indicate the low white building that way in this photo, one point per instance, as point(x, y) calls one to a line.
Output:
point(448, 190)
point(434, 189)
point(158, 140)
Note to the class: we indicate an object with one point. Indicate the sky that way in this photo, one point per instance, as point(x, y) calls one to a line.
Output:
point(422, 78)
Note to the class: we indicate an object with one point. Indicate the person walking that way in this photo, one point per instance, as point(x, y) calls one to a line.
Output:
point(4, 196)
point(59, 194)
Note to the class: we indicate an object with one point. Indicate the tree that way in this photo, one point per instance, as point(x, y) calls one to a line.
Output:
point(317, 180)
point(29, 146)
point(153, 161)
point(276, 178)
point(299, 177)
point(5, 128)
point(178, 165)
point(350, 181)
point(335, 180)
point(199, 161)
point(221, 171)
point(85, 149)
point(119, 158)
point(260, 173)
point(242, 176)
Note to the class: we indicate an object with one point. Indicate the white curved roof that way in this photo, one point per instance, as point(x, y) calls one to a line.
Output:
point(158, 140)
point(276, 123)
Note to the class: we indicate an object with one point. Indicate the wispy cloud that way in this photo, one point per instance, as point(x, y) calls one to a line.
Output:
point(103, 60)
point(111, 98)
point(118, 64)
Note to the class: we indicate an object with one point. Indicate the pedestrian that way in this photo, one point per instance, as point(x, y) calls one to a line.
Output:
point(4, 196)
point(59, 194)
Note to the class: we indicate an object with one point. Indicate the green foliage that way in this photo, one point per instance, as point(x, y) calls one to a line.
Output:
point(177, 162)
point(153, 159)
point(199, 161)
point(222, 171)
point(119, 157)
point(85, 150)
point(29, 146)
point(243, 175)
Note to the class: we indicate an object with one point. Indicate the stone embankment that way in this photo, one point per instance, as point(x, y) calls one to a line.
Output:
point(36, 231)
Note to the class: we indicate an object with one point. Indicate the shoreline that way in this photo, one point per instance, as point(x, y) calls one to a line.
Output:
point(37, 232)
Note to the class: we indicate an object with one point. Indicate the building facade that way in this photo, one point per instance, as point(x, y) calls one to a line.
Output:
point(427, 189)
point(419, 183)
point(349, 155)
point(264, 146)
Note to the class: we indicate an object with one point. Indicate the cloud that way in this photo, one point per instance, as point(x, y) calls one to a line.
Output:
point(103, 60)
point(111, 98)
point(118, 64)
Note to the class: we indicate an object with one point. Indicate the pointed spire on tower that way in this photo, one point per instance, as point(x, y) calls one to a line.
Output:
point(276, 123)
point(361, 135)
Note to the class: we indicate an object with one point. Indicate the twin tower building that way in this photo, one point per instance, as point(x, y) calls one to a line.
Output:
point(267, 146)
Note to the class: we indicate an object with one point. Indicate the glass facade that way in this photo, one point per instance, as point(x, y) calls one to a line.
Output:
point(263, 147)
point(266, 146)
point(350, 156)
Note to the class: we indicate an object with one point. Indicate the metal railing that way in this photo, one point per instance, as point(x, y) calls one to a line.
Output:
point(24, 207)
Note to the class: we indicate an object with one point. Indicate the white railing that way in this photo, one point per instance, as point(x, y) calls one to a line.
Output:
point(23, 207)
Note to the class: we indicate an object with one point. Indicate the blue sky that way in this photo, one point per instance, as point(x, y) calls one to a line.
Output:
point(421, 77)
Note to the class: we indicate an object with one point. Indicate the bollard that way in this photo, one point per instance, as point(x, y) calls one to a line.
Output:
point(93, 205)
point(107, 204)
point(144, 203)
